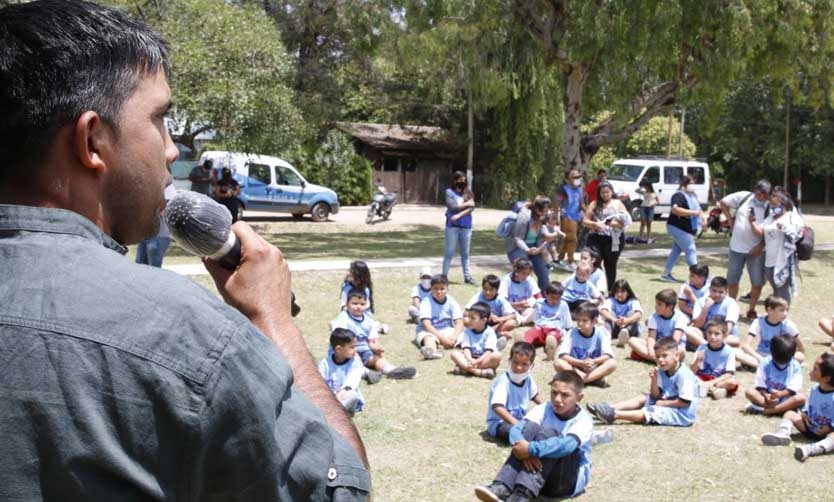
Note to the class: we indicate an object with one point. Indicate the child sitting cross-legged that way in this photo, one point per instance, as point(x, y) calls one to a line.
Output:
point(715, 363)
point(343, 371)
point(665, 322)
point(552, 321)
point(361, 322)
point(441, 320)
point(502, 316)
point(693, 289)
point(587, 349)
point(521, 290)
point(551, 448)
point(622, 313)
point(774, 323)
point(579, 288)
point(672, 398)
point(778, 380)
point(716, 303)
point(816, 421)
point(512, 392)
point(476, 354)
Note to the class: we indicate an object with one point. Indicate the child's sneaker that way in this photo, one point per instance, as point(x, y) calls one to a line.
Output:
point(521, 494)
point(551, 343)
point(373, 377)
point(603, 411)
point(383, 328)
point(430, 353)
point(718, 393)
point(703, 391)
point(603, 436)
point(668, 278)
point(487, 373)
point(493, 493)
point(776, 439)
point(802, 453)
point(402, 373)
point(622, 338)
point(752, 409)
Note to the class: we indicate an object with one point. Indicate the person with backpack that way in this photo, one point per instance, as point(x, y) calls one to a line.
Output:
point(781, 230)
point(524, 241)
point(746, 248)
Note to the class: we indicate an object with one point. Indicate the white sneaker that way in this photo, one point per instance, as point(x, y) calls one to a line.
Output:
point(718, 393)
point(603, 436)
point(703, 391)
point(622, 338)
point(776, 439)
point(802, 453)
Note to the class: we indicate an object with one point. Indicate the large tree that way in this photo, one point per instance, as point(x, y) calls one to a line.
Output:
point(636, 58)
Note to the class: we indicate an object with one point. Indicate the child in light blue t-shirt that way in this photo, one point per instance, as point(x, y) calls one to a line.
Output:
point(476, 353)
point(778, 381)
point(343, 370)
point(512, 392)
point(579, 288)
point(586, 350)
point(441, 320)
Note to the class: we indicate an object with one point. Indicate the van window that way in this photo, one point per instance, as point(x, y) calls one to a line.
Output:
point(624, 172)
point(697, 173)
point(260, 173)
point(672, 175)
point(652, 175)
point(287, 176)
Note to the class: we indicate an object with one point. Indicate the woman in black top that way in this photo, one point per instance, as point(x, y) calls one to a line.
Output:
point(685, 219)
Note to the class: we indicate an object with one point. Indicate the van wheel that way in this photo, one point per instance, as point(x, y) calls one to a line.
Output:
point(634, 210)
point(320, 212)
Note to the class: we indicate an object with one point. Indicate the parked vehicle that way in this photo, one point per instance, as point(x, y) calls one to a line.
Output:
point(381, 204)
point(664, 175)
point(272, 184)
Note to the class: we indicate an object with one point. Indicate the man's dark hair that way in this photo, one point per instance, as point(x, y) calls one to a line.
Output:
point(341, 336)
point(60, 58)
point(782, 348)
point(762, 186)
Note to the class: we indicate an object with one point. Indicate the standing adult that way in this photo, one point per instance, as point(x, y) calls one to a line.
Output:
point(125, 382)
point(151, 251)
point(200, 177)
point(746, 247)
point(460, 203)
point(524, 241)
point(226, 190)
point(781, 229)
point(685, 218)
point(571, 208)
point(606, 218)
point(591, 187)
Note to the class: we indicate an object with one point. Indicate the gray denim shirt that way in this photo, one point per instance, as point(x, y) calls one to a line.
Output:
point(126, 382)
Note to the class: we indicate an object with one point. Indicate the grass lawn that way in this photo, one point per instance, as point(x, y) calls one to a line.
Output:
point(425, 436)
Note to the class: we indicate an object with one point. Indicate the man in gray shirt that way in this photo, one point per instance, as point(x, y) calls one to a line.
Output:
point(200, 177)
point(125, 382)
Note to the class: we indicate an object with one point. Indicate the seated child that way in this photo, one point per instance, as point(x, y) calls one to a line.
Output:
point(551, 453)
point(552, 319)
point(511, 393)
point(549, 235)
point(816, 420)
point(502, 315)
point(665, 322)
point(592, 257)
point(715, 364)
point(441, 320)
point(521, 290)
point(713, 304)
point(827, 327)
point(587, 349)
point(361, 322)
point(477, 354)
point(359, 277)
point(692, 290)
point(343, 371)
point(420, 290)
point(579, 288)
point(672, 398)
point(778, 381)
point(622, 313)
point(775, 322)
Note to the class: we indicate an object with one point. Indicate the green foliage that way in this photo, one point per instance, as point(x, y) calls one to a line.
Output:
point(653, 139)
point(335, 164)
point(603, 159)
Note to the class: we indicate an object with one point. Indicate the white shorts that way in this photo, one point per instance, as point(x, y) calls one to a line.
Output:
point(445, 331)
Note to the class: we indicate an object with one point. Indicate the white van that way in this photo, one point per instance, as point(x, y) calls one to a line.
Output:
point(664, 174)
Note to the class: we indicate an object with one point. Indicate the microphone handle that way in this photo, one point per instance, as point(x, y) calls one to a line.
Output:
point(231, 260)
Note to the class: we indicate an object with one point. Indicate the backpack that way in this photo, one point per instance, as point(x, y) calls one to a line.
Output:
point(507, 224)
point(805, 244)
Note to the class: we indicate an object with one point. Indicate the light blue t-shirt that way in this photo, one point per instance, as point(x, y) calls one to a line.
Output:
point(770, 377)
point(717, 362)
point(348, 374)
point(577, 291)
point(442, 315)
point(478, 343)
point(499, 305)
point(553, 316)
point(596, 278)
point(767, 332)
point(515, 398)
point(346, 287)
point(820, 409)
point(666, 327)
point(418, 292)
point(682, 384)
point(726, 309)
point(698, 292)
point(578, 346)
point(516, 291)
point(362, 327)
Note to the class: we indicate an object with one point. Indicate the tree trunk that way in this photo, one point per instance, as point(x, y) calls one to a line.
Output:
point(827, 189)
point(574, 156)
point(470, 137)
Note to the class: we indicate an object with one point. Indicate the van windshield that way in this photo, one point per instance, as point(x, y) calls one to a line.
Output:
point(624, 172)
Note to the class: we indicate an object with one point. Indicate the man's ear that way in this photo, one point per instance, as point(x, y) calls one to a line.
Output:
point(92, 135)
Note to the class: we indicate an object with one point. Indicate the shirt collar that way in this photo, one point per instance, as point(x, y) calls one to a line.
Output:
point(55, 221)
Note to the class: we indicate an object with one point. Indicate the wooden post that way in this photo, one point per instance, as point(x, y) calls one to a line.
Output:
point(669, 135)
point(470, 140)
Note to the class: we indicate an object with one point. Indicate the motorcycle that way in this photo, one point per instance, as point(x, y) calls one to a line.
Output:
point(381, 204)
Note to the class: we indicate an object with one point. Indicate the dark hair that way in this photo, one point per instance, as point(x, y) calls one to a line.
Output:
point(554, 288)
point(356, 293)
point(685, 181)
point(666, 343)
point(524, 349)
point(456, 175)
point(569, 377)
point(598, 207)
point(601, 170)
point(783, 196)
point(439, 279)
point(773, 301)
point(522, 264)
point(762, 186)
point(827, 367)
point(208, 164)
point(782, 348)
point(718, 282)
point(717, 321)
point(667, 296)
point(482, 309)
point(539, 203)
point(595, 256)
point(699, 270)
point(61, 58)
point(625, 286)
point(587, 309)
point(647, 185)
point(491, 280)
point(341, 336)
point(361, 275)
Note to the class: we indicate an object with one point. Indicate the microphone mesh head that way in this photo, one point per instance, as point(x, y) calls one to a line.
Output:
point(198, 223)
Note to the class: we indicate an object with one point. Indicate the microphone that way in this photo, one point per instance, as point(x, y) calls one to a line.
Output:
point(203, 227)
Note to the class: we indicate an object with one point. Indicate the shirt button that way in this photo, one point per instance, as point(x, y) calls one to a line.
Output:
point(331, 474)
